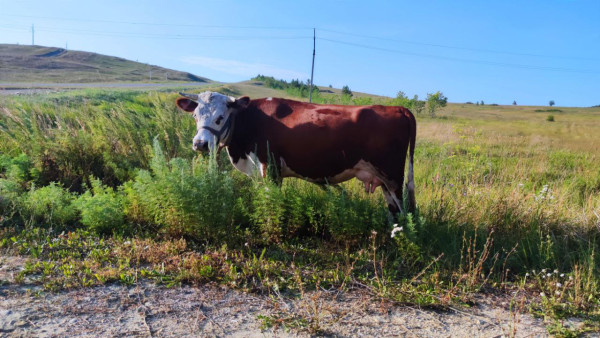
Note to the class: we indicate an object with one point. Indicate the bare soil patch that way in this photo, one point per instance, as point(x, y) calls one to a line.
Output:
point(146, 310)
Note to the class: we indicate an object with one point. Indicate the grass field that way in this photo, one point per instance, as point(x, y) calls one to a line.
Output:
point(103, 186)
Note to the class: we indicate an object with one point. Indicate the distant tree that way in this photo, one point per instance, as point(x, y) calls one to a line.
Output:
point(402, 100)
point(551, 103)
point(483, 104)
point(514, 103)
point(346, 91)
point(417, 105)
point(435, 101)
point(330, 86)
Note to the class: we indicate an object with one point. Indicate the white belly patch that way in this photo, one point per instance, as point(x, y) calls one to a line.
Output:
point(249, 165)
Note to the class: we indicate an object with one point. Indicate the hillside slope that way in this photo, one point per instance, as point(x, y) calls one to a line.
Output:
point(49, 64)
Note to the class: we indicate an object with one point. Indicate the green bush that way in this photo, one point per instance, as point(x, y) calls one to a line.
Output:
point(10, 192)
point(50, 206)
point(18, 169)
point(351, 217)
point(280, 212)
point(185, 198)
point(268, 210)
point(101, 209)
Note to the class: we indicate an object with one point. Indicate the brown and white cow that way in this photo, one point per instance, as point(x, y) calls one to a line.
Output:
point(324, 144)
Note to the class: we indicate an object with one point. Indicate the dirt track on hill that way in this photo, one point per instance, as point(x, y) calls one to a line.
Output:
point(147, 310)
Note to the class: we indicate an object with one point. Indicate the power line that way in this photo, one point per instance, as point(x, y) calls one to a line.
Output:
point(459, 48)
point(155, 23)
point(165, 36)
point(490, 63)
point(479, 50)
point(279, 37)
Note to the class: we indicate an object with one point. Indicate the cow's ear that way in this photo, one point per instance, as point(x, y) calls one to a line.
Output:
point(242, 102)
point(187, 104)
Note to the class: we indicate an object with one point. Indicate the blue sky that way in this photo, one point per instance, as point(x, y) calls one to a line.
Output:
point(496, 51)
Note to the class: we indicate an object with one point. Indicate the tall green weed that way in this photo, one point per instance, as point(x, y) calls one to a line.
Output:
point(50, 206)
point(101, 209)
point(185, 198)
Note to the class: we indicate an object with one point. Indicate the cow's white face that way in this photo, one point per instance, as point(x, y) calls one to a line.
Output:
point(212, 112)
point(213, 120)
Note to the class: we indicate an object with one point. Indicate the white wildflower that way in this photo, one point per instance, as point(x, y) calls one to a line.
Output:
point(570, 277)
point(542, 294)
point(396, 229)
point(562, 275)
point(544, 193)
point(557, 293)
point(527, 274)
point(555, 271)
point(558, 285)
point(549, 274)
point(543, 270)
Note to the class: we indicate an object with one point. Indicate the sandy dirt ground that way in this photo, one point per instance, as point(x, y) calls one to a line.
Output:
point(149, 310)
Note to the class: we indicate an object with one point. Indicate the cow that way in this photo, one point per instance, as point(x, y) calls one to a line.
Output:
point(323, 144)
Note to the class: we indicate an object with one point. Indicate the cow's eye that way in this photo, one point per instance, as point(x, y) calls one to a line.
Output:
point(218, 121)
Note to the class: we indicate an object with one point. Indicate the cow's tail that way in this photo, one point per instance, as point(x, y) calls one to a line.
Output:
point(410, 184)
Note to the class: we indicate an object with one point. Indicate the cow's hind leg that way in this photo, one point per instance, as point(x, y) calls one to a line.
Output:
point(394, 203)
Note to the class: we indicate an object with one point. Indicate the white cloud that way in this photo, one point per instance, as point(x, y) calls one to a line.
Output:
point(244, 69)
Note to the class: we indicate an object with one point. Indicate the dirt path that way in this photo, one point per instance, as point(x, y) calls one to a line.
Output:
point(148, 310)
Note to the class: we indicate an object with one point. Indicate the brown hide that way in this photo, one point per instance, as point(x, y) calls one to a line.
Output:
point(320, 141)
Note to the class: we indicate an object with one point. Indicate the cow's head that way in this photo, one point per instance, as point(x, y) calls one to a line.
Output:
point(214, 114)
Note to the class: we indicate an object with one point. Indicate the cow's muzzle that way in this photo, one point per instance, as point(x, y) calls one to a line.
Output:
point(200, 146)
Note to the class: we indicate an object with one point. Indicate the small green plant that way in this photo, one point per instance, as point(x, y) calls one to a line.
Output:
point(550, 118)
point(101, 209)
point(18, 169)
point(51, 205)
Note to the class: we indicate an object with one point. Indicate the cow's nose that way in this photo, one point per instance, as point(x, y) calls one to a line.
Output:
point(200, 146)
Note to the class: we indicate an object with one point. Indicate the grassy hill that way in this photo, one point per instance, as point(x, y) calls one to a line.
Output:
point(57, 65)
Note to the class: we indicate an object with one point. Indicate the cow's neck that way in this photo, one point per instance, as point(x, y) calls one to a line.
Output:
point(243, 145)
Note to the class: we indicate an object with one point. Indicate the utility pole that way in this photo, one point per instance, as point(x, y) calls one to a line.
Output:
point(32, 35)
point(312, 71)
